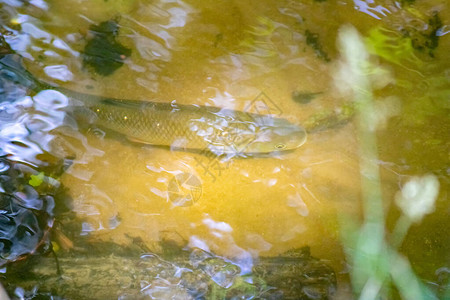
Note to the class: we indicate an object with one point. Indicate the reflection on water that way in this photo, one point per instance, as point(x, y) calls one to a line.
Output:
point(26, 124)
point(240, 56)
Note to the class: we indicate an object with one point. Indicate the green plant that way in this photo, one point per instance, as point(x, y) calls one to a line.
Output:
point(376, 264)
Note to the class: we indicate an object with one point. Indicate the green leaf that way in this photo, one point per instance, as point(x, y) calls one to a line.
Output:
point(36, 180)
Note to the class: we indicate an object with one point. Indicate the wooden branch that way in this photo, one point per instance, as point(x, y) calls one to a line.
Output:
point(195, 275)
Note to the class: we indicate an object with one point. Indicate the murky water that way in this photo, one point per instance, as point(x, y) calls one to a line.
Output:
point(250, 56)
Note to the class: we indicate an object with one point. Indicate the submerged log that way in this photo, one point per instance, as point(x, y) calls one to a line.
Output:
point(194, 275)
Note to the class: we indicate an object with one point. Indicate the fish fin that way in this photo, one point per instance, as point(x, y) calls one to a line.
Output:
point(127, 103)
point(136, 140)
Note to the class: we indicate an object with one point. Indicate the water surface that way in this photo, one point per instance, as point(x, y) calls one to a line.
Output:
point(252, 56)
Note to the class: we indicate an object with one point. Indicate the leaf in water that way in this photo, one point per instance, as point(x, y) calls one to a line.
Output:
point(36, 180)
point(103, 53)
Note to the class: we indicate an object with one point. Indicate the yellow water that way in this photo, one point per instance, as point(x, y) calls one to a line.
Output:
point(226, 53)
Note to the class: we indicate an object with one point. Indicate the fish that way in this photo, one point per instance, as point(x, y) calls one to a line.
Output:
point(190, 127)
point(184, 127)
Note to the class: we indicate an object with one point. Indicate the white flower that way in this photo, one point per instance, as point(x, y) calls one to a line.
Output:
point(417, 197)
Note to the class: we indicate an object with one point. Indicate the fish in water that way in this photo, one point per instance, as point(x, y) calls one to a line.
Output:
point(190, 127)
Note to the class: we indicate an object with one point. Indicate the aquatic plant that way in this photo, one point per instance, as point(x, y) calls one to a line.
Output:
point(406, 47)
point(393, 47)
point(312, 40)
point(258, 41)
point(400, 46)
point(376, 264)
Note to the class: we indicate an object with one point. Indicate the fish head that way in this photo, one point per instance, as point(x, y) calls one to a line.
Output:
point(274, 135)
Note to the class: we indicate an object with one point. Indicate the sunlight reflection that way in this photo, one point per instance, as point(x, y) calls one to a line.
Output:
point(365, 7)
